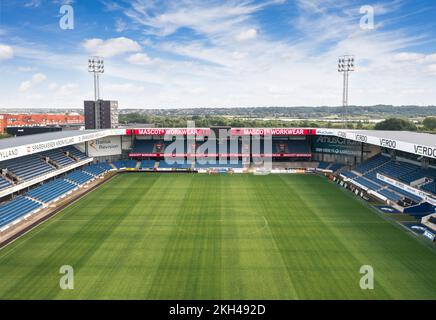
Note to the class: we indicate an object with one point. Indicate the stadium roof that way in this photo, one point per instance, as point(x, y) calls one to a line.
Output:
point(41, 137)
point(405, 136)
point(11, 148)
point(423, 144)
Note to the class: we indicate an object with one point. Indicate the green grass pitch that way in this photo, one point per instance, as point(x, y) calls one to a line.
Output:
point(180, 236)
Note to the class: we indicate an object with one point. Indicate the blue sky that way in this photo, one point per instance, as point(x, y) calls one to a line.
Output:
point(189, 53)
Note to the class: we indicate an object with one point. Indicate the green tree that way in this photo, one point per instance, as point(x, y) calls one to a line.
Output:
point(430, 123)
point(395, 124)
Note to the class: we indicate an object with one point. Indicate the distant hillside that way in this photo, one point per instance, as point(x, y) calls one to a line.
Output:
point(370, 112)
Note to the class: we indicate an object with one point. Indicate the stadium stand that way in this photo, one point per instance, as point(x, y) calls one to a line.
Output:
point(405, 172)
point(15, 209)
point(371, 164)
point(349, 175)
point(79, 177)
point(367, 183)
point(147, 164)
point(27, 167)
point(291, 146)
point(96, 169)
point(430, 187)
point(181, 164)
point(330, 166)
point(125, 164)
point(336, 166)
point(4, 183)
point(106, 166)
point(75, 153)
point(215, 164)
point(143, 146)
point(323, 165)
point(390, 195)
point(51, 190)
point(59, 157)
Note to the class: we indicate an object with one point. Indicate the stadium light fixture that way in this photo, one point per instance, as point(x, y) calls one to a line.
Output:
point(345, 66)
point(96, 66)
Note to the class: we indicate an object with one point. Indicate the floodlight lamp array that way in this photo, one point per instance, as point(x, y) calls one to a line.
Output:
point(96, 65)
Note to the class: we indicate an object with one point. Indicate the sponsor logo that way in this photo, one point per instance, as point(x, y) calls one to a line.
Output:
point(325, 132)
point(342, 134)
point(388, 143)
point(425, 151)
point(172, 131)
point(334, 140)
point(361, 138)
point(6, 154)
point(273, 132)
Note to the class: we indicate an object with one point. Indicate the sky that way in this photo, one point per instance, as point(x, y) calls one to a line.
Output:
point(217, 53)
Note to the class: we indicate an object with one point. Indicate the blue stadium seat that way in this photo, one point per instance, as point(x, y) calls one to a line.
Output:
point(51, 190)
point(27, 167)
point(323, 165)
point(4, 183)
point(430, 187)
point(390, 195)
point(372, 164)
point(147, 164)
point(75, 152)
point(79, 177)
point(125, 164)
point(59, 157)
point(143, 146)
point(15, 209)
point(95, 169)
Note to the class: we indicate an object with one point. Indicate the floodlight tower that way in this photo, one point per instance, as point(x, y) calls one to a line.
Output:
point(345, 66)
point(96, 66)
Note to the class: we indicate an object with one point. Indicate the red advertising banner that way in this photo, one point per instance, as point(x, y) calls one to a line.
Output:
point(282, 155)
point(233, 131)
point(168, 131)
point(215, 155)
point(272, 131)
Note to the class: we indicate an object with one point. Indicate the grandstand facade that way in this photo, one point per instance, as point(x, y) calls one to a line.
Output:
point(395, 168)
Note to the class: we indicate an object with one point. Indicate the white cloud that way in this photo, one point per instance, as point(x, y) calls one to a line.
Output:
point(239, 55)
point(25, 85)
point(430, 58)
point(111, 47)
point(408, 56)
point(63, 90)
point(217, 69)
point(120, 25)
point(139, 59)
point(6, 52)
point(36, 79)
point(25, 69)
point(247, 35)
point(32, 3)
point(432, 68)
point(203, 17)
point(124, 88)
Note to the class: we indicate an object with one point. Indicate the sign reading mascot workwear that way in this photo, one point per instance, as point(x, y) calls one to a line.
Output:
point(108, 146)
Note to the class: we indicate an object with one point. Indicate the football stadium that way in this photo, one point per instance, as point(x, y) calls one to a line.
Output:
point(218, 213)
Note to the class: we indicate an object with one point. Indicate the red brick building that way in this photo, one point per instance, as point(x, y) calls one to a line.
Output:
point(31, 120)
